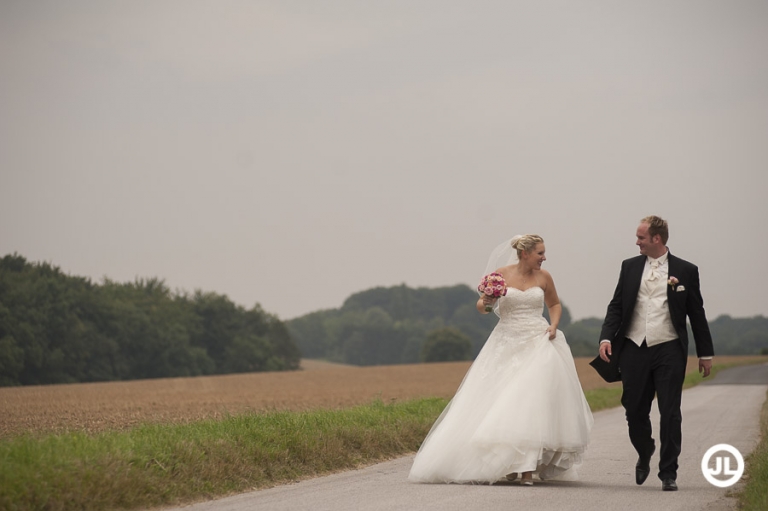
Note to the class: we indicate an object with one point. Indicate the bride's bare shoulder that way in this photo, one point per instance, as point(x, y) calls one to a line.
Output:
point(506, 271)
point(547, 277)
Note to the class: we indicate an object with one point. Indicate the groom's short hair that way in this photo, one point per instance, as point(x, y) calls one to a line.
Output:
point(657, 225)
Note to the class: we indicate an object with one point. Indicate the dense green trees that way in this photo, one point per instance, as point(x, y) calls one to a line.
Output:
point(732, 336)
point(446, 345)
point(405, 317)
point(738, 336)
point(391, 325)
point(583, 336)
point(56, 328)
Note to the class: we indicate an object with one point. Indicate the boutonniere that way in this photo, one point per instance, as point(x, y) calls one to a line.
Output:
point(673, 282)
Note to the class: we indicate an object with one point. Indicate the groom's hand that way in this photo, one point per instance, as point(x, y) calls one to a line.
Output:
point(605, 351)
point(705, 366)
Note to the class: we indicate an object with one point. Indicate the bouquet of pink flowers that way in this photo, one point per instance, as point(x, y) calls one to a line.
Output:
point(492, 285)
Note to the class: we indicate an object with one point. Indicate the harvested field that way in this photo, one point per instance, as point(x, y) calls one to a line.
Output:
point(96, 407)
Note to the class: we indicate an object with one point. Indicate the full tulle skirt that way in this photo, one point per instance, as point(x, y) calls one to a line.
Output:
point(520, 408)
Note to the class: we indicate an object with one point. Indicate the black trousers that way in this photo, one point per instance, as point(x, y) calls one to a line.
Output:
point(647, 371)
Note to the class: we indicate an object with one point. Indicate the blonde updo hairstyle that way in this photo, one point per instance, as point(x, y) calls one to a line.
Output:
point(526, 243)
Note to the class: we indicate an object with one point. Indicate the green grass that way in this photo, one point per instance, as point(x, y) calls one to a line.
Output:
point(600, 399)
point(694, 378)
point(754, 495)
point(167, 464)
point(156, 465)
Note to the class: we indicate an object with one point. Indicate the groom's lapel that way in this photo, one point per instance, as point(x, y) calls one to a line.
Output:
point(673, 270)
point(635, 277)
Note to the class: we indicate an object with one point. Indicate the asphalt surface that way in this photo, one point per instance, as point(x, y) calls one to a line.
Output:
point(724, 410)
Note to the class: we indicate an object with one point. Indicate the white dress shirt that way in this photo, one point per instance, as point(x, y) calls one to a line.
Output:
point(651, 321)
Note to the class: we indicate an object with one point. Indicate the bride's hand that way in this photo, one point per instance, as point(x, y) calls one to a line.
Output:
point(487, 300)
point(552, 331)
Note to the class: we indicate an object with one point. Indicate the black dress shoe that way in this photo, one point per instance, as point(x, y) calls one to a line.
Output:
point(643, 467)
point(669, 485)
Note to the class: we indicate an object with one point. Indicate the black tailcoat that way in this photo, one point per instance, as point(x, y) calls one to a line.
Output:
point(684, 300)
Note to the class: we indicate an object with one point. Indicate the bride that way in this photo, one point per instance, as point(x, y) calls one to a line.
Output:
point(520, 409)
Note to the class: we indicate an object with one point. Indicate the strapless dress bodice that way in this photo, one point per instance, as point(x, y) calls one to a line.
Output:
point(522, 306)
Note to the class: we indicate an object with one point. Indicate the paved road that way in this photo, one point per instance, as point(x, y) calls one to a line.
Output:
point(725, 410)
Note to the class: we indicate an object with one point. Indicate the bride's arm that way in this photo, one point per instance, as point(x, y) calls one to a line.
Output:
point(555, 313)
point(553, 304)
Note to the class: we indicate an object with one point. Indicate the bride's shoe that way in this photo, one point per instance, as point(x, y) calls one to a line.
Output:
point(527, 479)
point(512, 476)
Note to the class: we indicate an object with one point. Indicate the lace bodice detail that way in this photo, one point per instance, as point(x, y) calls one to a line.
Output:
point(520, 305)
point(520, 326)
point(521, 313)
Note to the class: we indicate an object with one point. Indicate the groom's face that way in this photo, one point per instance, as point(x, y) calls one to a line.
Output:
point(648, 246)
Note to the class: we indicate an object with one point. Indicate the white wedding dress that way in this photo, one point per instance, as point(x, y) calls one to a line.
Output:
point(520, 407)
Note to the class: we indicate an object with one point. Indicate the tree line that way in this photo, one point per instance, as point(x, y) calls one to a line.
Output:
point(399, 325)
point(390, 325)
point(731, 336)
point(57, 328)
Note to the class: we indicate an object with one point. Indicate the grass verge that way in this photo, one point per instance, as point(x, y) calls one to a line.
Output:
point(158, 465)
point(754, 495)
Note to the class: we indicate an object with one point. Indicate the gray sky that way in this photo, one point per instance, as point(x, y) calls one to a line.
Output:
point(294, 152)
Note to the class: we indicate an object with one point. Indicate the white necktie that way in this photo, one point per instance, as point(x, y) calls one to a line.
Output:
point(653, 274)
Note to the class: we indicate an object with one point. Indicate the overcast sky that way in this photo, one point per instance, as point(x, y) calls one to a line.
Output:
point(291, 153)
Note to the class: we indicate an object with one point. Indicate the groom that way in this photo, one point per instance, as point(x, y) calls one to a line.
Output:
point(645, 327)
